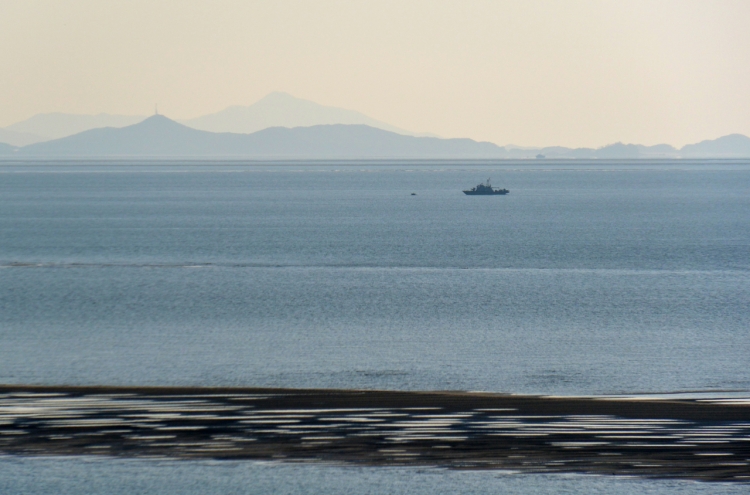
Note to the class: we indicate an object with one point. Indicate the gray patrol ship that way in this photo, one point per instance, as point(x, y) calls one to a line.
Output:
point(485, 189)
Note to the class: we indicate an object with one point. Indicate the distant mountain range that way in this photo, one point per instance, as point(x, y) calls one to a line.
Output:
point(47, 126)
point(275, 110)
point(727, 146)
point(732, 146)
point(283, 110)
point(159, 136)
point(282, 126)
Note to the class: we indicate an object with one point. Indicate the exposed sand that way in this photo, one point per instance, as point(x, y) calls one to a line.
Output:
point(706, 440)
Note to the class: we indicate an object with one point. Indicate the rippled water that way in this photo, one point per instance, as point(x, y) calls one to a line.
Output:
point(93, 476)
point(589, 278)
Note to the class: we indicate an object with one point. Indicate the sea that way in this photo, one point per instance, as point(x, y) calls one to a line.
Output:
point(590, 278)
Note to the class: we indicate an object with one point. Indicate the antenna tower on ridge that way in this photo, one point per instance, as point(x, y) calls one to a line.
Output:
point(156, 109)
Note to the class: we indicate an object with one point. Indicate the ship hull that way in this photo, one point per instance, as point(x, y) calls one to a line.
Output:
point(493, 193)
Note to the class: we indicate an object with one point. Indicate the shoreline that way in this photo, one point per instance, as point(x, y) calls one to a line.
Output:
point(636, 407)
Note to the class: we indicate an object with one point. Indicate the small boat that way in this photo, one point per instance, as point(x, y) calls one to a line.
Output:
point(485, 189)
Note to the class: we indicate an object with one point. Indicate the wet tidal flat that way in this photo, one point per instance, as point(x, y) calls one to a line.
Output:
point(699, 439)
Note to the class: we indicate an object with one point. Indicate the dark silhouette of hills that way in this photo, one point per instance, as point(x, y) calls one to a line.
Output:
point(612, 151)
point(274, 110)
point(733, 145)
point(657, 150)
point(283, 126)
point(618, 150)
point(160, 136)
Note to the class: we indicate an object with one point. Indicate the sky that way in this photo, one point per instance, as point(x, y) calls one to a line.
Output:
point(528, 72)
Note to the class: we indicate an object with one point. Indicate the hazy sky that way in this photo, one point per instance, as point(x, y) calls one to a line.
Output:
point(530, 72)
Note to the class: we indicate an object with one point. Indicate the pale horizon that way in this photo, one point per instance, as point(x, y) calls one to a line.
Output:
point(582, 74)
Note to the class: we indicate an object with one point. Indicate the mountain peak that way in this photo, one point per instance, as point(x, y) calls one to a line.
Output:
point(280, 109)
point(158, 119)
point(725, 146)
point(280, 95)
point(160, 136)
point(158, 123)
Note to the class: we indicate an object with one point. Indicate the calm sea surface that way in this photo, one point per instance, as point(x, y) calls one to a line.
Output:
point(588, 278)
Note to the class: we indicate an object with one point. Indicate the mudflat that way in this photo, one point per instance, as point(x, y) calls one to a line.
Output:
point(701, 439)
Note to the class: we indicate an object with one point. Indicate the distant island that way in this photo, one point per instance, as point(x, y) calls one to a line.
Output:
point(281, 126)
